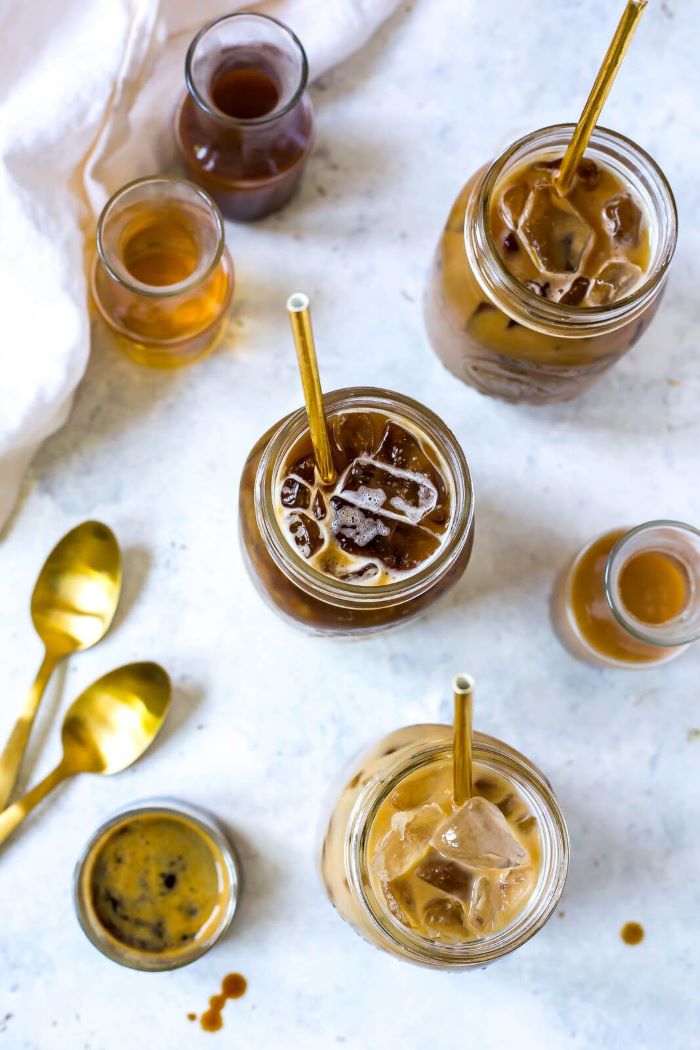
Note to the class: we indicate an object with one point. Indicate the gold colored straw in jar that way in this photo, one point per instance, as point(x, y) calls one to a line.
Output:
point(300, 318)
point(463, 691)
point(599, 93)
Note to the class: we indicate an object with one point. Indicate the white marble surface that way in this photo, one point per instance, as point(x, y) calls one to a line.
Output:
point(264, 716)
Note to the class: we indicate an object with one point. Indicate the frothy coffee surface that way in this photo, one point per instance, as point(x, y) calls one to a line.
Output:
point(454, 874)
point(386, 515)
point(589, 248)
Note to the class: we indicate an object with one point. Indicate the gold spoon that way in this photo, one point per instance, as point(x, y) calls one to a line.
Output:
point(107, 728)
point(73, 604)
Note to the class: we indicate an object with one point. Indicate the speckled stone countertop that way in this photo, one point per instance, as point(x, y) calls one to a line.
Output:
point(263, 716)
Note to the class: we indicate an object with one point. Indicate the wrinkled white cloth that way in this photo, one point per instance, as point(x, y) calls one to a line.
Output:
point(87, 91)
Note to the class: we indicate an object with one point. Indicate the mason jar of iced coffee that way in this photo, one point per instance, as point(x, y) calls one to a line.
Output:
point(389, 536)
point(532, 296)
point(433, 883)
point(631, 597)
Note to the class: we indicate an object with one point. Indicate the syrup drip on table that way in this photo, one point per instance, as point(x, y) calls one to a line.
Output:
point(632, 933)
point(233, 986)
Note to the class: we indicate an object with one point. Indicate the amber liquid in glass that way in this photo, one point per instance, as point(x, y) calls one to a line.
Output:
point(653, 588)
point(249, 169)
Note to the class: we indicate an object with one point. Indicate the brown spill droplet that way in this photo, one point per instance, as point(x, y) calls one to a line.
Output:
point(233, 986)
point(191, 1017)
point(632, 933)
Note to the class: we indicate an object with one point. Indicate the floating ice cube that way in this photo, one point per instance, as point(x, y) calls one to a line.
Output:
point(407, 841)
point(482, 906)
point(319, 507)
point(367, 572)
point(305, 533)
point(514, 886)
point(444, 874)
point(353, 434)
point(555, 235)
point(478, 835)
point(416, 790)
point(397, 493)
point(398, 545)
point(295, 493)
point(444, 918)
point(513, 202)
point(613, 281)
point(575, 293)
point(304, 469)
point(623, 217)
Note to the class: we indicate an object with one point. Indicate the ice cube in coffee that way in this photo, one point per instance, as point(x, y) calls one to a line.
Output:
point(532, 294)
point(433, 881)
point(390, 534)
point(631, 597)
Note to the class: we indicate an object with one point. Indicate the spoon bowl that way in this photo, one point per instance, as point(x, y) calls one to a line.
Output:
point(73, 604)
point(106, 729)
point(76, 594)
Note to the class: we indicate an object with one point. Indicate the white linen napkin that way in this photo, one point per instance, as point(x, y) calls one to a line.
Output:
point(87, 92)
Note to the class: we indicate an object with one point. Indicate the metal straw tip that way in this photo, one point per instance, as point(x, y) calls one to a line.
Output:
point(297, 302)
point(463, 683)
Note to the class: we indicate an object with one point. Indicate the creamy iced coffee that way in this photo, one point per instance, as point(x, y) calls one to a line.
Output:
point(454, 873)
point(434, 882)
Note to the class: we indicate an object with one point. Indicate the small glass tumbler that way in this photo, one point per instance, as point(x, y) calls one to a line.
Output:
point(593, 603)
point(162, 278)
point(245, 125)
point(214, 840)
point(345, 859)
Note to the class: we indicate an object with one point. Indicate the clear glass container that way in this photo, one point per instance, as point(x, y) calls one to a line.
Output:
point(245, 125)
point(327, 605)
point(500, 337)
point(345, 862)
point(223, 856)
point(591, 617)
point(162, 278)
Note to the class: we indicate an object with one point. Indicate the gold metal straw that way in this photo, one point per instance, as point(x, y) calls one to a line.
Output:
point(599, 92)
point(300, 318)
point(463, 691)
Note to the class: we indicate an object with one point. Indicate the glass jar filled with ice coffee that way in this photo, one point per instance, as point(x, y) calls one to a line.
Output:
point(377, 546)
point(533, 295)
point(245, 125)
point(631, 597)
point(445, 882)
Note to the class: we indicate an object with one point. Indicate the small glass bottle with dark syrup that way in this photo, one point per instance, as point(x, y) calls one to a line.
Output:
point(245, 126)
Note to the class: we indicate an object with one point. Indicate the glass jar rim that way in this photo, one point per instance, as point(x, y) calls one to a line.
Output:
point(225, 118)
point(521, 303)
point(648, 633)
point(339, 592)
point(121, 276)
point(209, 826)
point(554, 838)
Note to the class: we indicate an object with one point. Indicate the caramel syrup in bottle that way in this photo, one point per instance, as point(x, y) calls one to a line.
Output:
point(653, 588)
point(244, 93)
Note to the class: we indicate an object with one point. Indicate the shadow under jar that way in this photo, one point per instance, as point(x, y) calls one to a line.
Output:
point(245, 126)
point(631, 597)
point(385, 875)
point(381, 544)
point(505, 337)
point(162, 278)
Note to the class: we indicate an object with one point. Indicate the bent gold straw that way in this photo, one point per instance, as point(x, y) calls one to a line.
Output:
point(300, 319)
point(463, 692)
point(599, 93)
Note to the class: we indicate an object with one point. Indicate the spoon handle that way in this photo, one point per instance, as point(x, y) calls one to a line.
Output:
point(11, 758)
point(13, 816)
